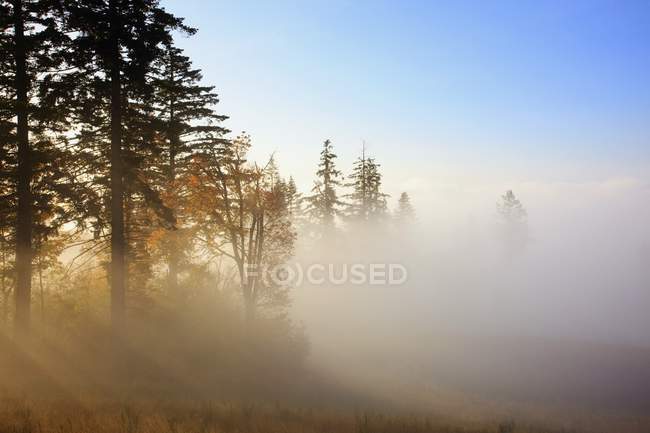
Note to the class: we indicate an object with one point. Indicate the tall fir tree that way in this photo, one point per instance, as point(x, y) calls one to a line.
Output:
point(188, 121)
point(513, 223)
point(323, 206)
point(294, 200)
point(8, 194)
point(366, 202)
point(34, 102)
point(404, 212)
point(117, 42)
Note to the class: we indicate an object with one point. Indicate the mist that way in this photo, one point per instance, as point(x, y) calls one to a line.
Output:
point(324, 217)
point(562, 320)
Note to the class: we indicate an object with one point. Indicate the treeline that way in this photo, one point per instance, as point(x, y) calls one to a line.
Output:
point(366, 202)
point(114, 157)
point(112, 149)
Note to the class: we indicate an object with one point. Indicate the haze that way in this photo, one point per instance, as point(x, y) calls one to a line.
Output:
point(160, 192)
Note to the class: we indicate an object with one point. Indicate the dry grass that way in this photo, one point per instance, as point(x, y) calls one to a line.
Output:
point(20, 416)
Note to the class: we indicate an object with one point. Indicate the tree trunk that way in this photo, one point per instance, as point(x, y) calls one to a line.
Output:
point(172, 277)
point(118, 244)
point(173, 238)
point(41, 291)
point(245, 280)
point(5, 306)
point(4, 288)
point(256, 244)
point(24, 180)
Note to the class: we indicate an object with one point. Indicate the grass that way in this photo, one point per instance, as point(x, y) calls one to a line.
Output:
point(21, 416)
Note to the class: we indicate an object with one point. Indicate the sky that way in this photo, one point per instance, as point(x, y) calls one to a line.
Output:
point(460, 101)
point(443, 92)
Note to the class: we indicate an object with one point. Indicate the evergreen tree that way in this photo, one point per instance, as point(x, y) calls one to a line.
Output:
point(366, 201)
point(185, 110)
point(34, 92)
point(117, 42)
point(323, 205)
point(294, 200)
point(378, 204)
point(405, 212)
point(510, 209)
point(8, 194)
point(514, 227)
point(6, 273)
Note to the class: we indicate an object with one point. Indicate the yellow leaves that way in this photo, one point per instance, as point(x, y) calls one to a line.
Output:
point(193, 180)
point(156, 237)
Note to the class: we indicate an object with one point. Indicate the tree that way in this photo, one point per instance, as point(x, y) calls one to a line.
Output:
point(247, 217)
point(33, 120)
point(6, 273)
point(367, 203)
point(117, 43)
point(511, 209)
point(47, 251)
point(7, 170)
point(278, 243)
point(185, 109)
point(294, 200)
point(514, 226)
point(23, 173)
point(405, 212)
point(323, 205)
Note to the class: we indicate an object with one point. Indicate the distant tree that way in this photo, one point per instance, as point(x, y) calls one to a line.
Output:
point(404, 212)
point(367, 202)
point(294, 199)
point(378, 204)
point(323, 205)
point(511, 209)
point(514, 225)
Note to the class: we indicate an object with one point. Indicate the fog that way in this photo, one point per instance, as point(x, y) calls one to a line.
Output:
point(341, 217)
point(549, 326)
point(563, 319)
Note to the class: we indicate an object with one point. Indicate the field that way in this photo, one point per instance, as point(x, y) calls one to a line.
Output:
point(19, 416)
point(572, 388)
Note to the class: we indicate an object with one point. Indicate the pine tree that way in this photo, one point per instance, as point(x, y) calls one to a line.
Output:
point(33, 119)
point(366, 201)
point(294, 200)
point(187, 122)
point(8, 194)
point(378, 204)
point(511, 209)
point(24, 213)
point(405, 212)
point(117, 43)
point(323, 205)
point(6, 272)
point(514, 225)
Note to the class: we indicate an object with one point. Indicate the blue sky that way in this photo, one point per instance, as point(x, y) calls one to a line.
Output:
point(509, 90)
